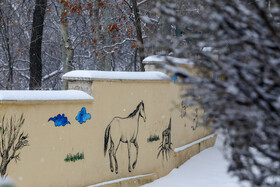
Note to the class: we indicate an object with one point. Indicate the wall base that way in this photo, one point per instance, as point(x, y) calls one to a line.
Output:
point(129, 181)
point(181, 156)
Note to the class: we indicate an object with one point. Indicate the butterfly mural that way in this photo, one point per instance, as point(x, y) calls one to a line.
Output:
point(83, 116)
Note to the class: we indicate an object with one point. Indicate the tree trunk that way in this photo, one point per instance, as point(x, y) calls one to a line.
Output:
point(11, 68)
point(97, 34)
point(4, 164)
point(10, 60)
point(165, 29)
point(66, 46)
point(36, 45)
point(107, 40)
point(164, 26)
point(5, 31)
point(135, 59)
point(140, 42)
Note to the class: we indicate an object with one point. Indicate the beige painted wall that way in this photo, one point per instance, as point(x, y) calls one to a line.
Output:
point(42, 163)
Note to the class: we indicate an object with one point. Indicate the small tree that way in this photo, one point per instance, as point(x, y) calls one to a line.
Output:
point(11, 141)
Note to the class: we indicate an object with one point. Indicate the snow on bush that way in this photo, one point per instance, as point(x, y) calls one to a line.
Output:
point(242, 98)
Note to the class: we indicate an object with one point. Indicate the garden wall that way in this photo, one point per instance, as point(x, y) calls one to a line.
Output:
point(73, 134)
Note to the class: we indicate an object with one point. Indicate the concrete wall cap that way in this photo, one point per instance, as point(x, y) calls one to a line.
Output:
point(115, 75)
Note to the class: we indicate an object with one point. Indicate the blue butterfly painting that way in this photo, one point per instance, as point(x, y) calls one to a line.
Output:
point(83, 116)
point(60, 120)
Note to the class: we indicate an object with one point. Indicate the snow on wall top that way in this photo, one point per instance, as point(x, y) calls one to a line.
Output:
point(30, 95)
point(162, 59)
point(115, 75)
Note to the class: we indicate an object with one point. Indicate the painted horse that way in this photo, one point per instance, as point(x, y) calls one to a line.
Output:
point(125, 130)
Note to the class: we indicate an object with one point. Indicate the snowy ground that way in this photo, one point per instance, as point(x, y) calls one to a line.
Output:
point(207, 169)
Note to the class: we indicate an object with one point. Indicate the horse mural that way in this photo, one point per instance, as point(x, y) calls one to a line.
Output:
point(125, 130)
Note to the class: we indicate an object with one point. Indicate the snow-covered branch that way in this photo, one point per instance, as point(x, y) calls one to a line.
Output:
point(238, 80)
point(142, 2)
point(52, 74)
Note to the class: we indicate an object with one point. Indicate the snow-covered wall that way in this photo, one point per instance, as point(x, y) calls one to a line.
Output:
point(125, 129)
point(114, 75)
point(160, 63)
point(157, 59)
point(82, 79)
point(27, 95)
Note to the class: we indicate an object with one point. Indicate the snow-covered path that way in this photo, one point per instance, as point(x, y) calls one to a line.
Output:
point(207, 169)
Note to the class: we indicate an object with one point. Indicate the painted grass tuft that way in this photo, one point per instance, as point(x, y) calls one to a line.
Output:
point(74, 158)
point(153, 138)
